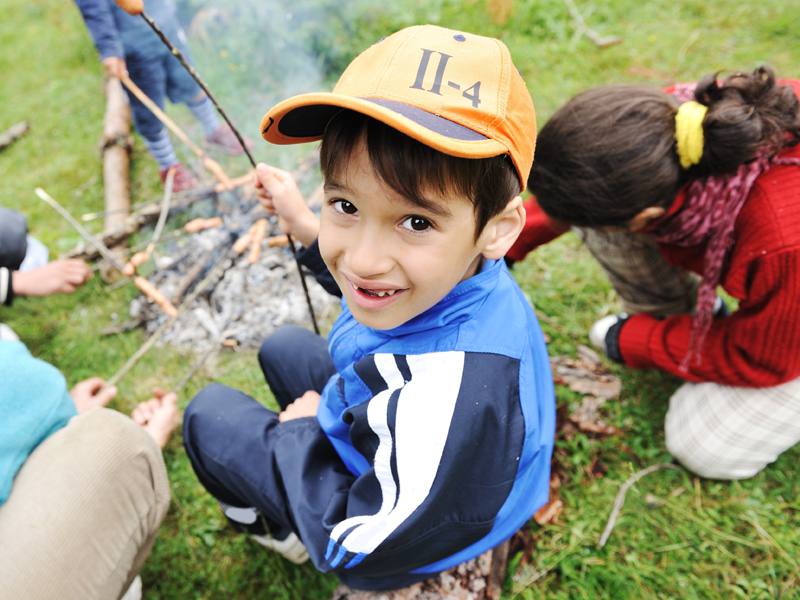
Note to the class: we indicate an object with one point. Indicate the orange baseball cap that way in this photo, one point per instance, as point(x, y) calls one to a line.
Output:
point(456, 92)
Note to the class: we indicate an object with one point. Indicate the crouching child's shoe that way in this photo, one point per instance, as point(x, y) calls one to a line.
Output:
point(249, 520)
point(290, 548)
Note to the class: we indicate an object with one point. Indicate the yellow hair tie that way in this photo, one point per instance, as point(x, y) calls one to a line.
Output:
point(689, 132)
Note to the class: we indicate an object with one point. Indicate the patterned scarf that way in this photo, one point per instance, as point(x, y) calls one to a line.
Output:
point(708, 214)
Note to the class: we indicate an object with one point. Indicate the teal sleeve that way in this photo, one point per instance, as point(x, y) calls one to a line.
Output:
point(34, 404)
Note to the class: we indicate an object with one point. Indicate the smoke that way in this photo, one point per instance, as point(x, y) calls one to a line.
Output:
point(254, 53)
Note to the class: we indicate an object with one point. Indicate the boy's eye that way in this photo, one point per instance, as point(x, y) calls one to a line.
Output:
point(416, 223)
point(344, 207)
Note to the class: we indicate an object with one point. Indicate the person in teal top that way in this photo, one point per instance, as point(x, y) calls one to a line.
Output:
point(83, 489)
point(34, 403)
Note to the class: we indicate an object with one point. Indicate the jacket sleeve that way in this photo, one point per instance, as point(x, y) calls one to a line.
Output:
point(539, 229)
point(424, 434)
point(757, 346)
point(13, 238)
point(312, 260)
point(100, 23)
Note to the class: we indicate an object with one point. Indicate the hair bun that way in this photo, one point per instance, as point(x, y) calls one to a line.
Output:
point(749, 115)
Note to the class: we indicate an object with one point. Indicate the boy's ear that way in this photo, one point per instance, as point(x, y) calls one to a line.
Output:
point(502, 230)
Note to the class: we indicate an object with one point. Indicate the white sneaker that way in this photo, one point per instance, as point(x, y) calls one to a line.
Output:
point(291, 548)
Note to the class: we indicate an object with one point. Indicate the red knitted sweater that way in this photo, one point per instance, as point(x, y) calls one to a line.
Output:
point(759, 344)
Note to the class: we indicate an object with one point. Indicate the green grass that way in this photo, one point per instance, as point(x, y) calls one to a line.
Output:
point(704, 540)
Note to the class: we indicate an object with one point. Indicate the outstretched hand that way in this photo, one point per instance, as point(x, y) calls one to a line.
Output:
point(115, 66)
point(91, 393)
point(59, 276)
point(304, 406)
point(158, 416)
point(278, 193)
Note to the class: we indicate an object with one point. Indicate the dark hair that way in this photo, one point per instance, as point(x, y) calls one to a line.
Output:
point(413, 169)
point(610, 152)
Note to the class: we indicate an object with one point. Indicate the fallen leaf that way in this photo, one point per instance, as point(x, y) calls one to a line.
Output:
point(549, 512)
point(587, 417)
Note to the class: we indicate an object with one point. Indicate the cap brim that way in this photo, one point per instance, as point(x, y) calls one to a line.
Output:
point(303, 118)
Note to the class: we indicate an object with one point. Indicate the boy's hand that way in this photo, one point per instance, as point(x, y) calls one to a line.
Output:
point(115, 66)
point(91, 393)
point(58, 276)
point(278, 194)
point(304, 406)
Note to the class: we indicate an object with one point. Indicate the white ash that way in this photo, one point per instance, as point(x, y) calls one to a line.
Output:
point(247, 304)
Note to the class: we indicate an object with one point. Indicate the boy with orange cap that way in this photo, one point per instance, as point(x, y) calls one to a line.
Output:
point(420, 435)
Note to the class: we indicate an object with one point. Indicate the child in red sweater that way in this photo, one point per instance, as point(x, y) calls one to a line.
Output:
point(663, 187)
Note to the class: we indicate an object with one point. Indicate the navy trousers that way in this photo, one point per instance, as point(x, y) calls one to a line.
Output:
point(247, 459)
point(229, 436)
point(160, 75)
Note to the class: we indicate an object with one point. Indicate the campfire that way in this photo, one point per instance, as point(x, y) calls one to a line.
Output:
point(258, 288)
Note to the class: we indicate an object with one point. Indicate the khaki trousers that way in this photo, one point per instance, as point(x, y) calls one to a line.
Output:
point(83, 512)
point(716, 431)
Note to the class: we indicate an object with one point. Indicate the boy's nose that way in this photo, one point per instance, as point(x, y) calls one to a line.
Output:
point(368, 255)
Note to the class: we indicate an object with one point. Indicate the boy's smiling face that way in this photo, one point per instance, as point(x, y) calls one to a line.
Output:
point(392, 258)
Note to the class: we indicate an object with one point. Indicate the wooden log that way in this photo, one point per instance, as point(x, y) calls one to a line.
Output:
point(145, 215)
point(497, 573)
point(12, 134)
point(116, 146)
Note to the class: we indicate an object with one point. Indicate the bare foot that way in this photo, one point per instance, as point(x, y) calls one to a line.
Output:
point(92, 393)
point(159, 416)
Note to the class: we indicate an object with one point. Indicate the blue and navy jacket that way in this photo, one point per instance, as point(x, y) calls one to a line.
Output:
point(445, 427)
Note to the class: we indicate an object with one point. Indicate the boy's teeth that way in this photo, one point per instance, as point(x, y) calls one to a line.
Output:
point(379, 293)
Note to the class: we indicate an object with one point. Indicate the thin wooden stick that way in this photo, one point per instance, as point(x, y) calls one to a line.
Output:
point(210, 164)
point(620, 499)
point(144, 286)
point(139, 258)
point(12, 134)
point(97, 244)
point(583, 29)
point(213, 275)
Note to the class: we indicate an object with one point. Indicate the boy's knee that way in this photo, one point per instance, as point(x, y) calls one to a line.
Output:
point(127, 449)
point(279, 343)
point(202, 418)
